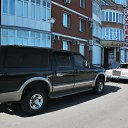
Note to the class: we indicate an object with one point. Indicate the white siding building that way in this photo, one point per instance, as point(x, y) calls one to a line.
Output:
point(26, 22)
point(97, 49)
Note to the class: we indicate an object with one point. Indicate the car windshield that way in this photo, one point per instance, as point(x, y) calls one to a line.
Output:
point(114, 65)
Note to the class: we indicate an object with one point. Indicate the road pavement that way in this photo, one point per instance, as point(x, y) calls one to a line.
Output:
point(84, 110)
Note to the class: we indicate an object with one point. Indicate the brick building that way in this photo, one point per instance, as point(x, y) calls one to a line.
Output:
point(72, 29)
point(124, 50)
point(112, 29)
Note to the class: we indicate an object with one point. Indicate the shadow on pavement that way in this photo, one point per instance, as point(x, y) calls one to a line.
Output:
point(120, 81)
point(59, 103)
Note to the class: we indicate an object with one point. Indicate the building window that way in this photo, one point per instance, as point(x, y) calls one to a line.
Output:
point(117, 17)
point(43, 42)
point(33, 10)
point(25, 9)
point(107, 34)
point(107, 16)
point(38, 10)
point(12, 7)
point(32, 38)
point(81, 49)
point(20, 37)
point(118, 34)
point(37, 43)
point(112, 16)
point(66, 20)
point(48, 11)
point(82, 3)
point(25, 38)
point(97, 30)
point(38, 14)
point(66, 45)
point(122, 2)
point(5, 6)
point(97, 9)
point(44, 10)
point(113, 34)
point(82, 25)
point(4, 39)
point(48, 41)
point(11, 37)
point(20, 8)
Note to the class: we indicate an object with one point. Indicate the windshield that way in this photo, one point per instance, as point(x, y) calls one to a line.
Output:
point(114, 65)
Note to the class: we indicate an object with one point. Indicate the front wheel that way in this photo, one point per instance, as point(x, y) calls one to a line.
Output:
point(99, 86)
point(34, 101)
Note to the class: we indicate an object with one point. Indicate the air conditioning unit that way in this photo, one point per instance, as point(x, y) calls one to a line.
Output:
point(75, 42)
point(124, 6)
point(67, 1)
point(90, 43)
point(90, 20)
point(52, 20)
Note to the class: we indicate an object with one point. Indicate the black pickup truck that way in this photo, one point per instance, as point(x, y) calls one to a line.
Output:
point(33, 75)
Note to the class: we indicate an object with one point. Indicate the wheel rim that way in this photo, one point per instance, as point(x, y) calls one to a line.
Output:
point(36, 101)
point(100, 86)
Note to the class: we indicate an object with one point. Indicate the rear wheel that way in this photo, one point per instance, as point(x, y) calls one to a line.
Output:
point(99, 86)
point(34, 102)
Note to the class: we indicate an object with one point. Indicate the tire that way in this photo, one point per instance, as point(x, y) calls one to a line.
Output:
point(99, 86)
point(34, 102)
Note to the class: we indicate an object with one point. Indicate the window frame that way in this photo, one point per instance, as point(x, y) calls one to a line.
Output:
point(82, 25)
point(113, 34)
point(68, 45)
point(83, 4)
point(66, 20)
point(20, 14)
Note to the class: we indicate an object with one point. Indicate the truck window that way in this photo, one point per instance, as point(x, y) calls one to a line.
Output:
point(27, 58)
point(62, 59)
point(79, 61)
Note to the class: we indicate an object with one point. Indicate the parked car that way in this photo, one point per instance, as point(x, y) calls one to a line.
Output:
point(118, 73)
point(33, 75)
point(110, 69)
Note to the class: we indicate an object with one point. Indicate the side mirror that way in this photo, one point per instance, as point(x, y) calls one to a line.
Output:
point(86, 63)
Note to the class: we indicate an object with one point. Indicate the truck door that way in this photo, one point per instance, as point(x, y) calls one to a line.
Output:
point(63, 78)
point(83, 75)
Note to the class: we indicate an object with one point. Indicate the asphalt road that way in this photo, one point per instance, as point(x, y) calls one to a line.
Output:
point(84, 110)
